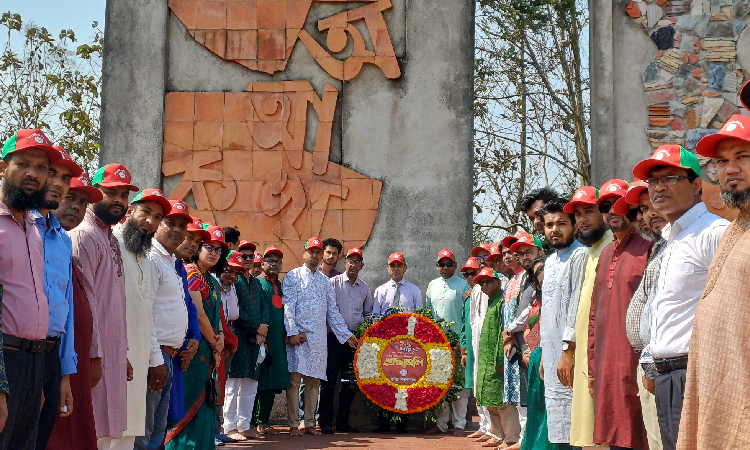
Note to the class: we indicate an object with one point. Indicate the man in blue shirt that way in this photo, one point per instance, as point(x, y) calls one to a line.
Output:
point(60, 359)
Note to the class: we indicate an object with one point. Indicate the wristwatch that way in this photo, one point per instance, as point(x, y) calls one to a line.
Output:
point(566, 346)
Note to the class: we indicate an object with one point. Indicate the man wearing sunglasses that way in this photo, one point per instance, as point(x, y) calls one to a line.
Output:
point(674, 185)
point(469, 271)
point(445, 297)
point(354, 300)
point(612, 362)
point(594, 233)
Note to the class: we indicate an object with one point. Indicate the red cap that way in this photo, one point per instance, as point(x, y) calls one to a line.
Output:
point(153, 195)
point(526, 239)
point(247, 244)
point(257, 258)
point(217, 235)
point(737, 126)
point(179, 208)
point(396, 257)
point(587, 195)
point(471, 263)
point(510, 240)
point(445, 253)
point(486, 272)
point(612, 188)
point(496, 251)
point(314, 242)
point(273, 250)
point(631, 197)
point(112, 176)
point(67, 161)
point(28, 139)
point(355, 251)
point(668, 155)
point(483, 246)
point(196, 226)
point(235, 260)
point(83, 183)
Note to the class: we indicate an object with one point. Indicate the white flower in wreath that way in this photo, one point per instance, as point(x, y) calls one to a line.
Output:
point(410, 326)
point(401, 400)
point(367, 361)
point(441, 366)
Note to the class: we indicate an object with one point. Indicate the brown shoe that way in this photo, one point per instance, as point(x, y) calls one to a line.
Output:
point(434, 430)
point(313, 431)
point(459, 432)
point(296, 432)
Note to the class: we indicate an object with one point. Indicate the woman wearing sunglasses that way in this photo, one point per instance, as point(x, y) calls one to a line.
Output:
point(196, 429)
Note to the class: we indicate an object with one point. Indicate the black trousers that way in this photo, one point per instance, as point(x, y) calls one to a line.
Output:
point(50, 409)
point(25, 373)
point(669, 390)
point(340, 357)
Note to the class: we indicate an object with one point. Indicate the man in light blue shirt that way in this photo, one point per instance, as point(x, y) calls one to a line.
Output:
point(60, 359)
point(397, 292)
point(445, 297)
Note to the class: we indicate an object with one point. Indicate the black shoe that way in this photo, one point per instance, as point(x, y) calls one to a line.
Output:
point(346, 429)
point(382, 430)
point(326, 430)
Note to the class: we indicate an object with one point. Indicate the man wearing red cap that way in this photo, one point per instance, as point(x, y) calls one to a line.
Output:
point(718, 373)
point(78, 430)
point(469, 271)
point(59, 363)
point(171, 319)
point(26, 158)
point(674, 185)
point(562, 283)
point(354, 300)
point(397, 292)
point(612, 363)
point(246, 250)
point(594, 233)
point(309, 304)
point(96, 251)
point(135, 236)
point(273, 377)
point(257, 265)
point(445, 296)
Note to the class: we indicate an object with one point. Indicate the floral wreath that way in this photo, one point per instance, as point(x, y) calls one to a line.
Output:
point(404, 363)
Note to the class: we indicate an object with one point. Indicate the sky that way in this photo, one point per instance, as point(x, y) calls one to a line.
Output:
point(57, 15)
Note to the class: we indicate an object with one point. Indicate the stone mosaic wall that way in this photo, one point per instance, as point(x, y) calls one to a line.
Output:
point(693, 82)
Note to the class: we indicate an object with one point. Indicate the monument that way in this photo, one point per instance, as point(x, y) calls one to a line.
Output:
point(294, 118)
point(664, 72)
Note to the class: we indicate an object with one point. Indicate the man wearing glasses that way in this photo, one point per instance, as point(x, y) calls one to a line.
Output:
point(354, 300)
point(674, 185)
point(445, 297)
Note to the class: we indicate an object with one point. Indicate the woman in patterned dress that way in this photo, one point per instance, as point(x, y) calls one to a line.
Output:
point(196, 430)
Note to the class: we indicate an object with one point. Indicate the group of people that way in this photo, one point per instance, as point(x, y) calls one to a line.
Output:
point(132, 324)
point(630, 325)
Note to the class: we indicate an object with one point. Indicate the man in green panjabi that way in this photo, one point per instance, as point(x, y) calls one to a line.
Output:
point(273, 376)
point(503, 426)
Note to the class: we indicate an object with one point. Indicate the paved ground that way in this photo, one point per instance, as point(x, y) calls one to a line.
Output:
point(367, 439)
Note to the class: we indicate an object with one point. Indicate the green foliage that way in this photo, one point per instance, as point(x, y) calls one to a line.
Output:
point(44, 84)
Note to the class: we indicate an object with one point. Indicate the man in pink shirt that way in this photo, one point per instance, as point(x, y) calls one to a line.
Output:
point(96, 253)
point(26, 158)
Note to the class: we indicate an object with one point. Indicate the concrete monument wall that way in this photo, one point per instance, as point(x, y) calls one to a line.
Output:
point(291, 118)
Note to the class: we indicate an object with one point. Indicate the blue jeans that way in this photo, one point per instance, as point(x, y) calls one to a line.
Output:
point(157, 407)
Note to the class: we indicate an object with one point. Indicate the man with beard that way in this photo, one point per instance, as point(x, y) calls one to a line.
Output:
point(77, 430)
point(562, 283)
point(309, 304)
point(638, 316)
point(612, 363)
point(170, 320)
point(718, 373)
point(26, 158)
point(60, 363)
point(135, 238)
point(96, 252)
point(332, 248)
point(594, 233)
point(674, 185)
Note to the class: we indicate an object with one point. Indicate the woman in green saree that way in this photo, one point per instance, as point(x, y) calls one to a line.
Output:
point(196, 430)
